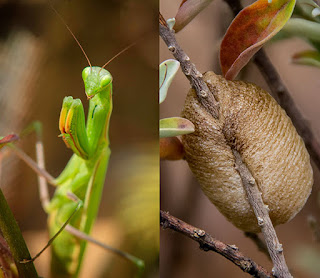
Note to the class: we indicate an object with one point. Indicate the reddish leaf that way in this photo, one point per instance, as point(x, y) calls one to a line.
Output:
point(171, 148)
point(188, 10)
point(308, 57)
point(8, 139)
point(249, 30)
point(183, 1)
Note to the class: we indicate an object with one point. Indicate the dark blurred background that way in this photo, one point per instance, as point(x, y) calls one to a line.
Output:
point(40, 63)
point(180, 193)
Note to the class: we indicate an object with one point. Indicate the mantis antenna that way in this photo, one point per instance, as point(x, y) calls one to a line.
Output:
point(118, 54)
point(65, 24)
point(84, 53)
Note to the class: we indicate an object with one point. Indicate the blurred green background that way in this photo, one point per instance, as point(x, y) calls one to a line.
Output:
point(40, 63)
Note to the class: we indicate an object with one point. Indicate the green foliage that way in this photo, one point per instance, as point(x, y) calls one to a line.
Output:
point(175, 126)
point(306, 25)
point(167, 71)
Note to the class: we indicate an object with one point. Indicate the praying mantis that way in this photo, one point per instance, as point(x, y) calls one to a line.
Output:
point(80, 184)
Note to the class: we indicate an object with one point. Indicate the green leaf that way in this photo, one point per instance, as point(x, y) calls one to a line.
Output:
point(315, 12)
point(307, 9)
point(188, 10)
point(308, 57)
point(167, 71)
point(249, 30)
point(175, 126)
point(303, 28)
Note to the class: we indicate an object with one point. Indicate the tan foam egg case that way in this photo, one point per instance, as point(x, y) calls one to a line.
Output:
point(252, 122)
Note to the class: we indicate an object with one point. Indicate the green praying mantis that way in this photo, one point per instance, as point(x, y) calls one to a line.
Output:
point(74, 206)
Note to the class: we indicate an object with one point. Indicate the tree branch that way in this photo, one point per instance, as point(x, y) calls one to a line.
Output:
point(194, 76)
point(261, 211)
point(254, 195)
point(208, 243)
point(282, 95)
point(315, 227)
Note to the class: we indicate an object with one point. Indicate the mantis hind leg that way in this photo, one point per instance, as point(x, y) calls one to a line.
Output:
point(74, 198)
point(136, 261)
point(72, 231)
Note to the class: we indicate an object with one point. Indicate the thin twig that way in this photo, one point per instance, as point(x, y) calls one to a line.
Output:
point(195, 77)
point(261, 211)
point(208, 243)
point(275, 248)
point(282, 95)
point(30, 162)
point(118, 252)
point(315, 227)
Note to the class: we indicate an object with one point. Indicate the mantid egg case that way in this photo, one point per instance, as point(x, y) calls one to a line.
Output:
point(252, 122)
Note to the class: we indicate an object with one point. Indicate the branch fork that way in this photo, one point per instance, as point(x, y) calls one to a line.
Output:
point(261, 210)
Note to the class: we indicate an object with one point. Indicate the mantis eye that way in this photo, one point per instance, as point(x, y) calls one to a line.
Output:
point(85, 73)
point(105, 81)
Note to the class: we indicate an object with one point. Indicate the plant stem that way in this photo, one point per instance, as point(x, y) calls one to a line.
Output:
point(208, 243)
point(261, 211)
point(188, 68)
point(254, 195)
point(13, 237)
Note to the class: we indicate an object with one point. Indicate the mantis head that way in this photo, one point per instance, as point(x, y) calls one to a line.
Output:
point(95, 80)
